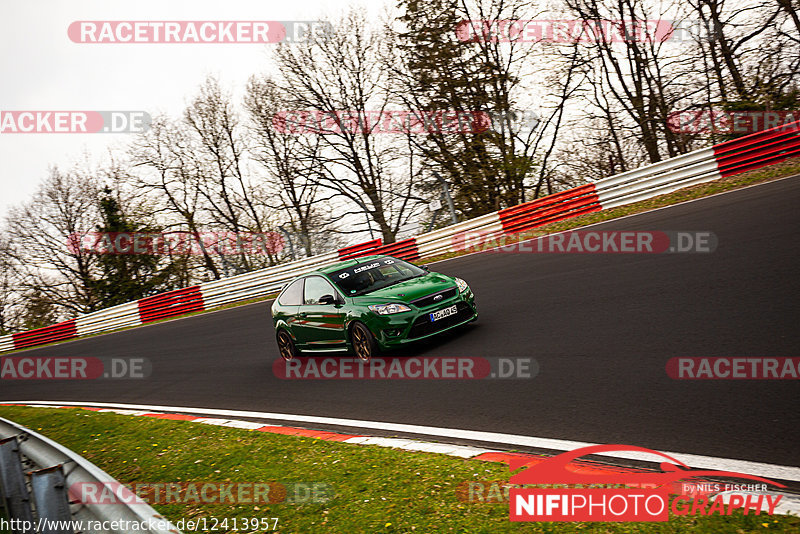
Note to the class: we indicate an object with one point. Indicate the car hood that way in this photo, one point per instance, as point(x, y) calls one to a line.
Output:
point(410, 289)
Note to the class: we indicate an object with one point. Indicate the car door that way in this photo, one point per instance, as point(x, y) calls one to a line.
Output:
point(320, 326)
point(290, 300)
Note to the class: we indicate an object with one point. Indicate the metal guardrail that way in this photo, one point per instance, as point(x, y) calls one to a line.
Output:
point(41, 496)
point(658, 179)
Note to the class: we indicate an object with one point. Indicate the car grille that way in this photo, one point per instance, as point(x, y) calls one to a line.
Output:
point(429, 300)
point(423, 325)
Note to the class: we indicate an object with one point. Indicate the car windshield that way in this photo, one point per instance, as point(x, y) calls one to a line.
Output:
point(374, 274)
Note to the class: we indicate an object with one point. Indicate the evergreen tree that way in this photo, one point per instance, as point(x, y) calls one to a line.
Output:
point(37, 311)
point(445, 71)
point(127, 277)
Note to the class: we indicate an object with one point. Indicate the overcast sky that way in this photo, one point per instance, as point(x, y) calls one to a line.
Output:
point(41, 69)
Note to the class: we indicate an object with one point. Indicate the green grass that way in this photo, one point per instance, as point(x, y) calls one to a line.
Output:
point(375, 489)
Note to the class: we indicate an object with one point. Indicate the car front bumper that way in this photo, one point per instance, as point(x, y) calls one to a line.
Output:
point(401, 328)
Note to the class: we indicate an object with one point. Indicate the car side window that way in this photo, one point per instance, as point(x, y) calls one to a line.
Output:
point(315, 288)
point(292, 295)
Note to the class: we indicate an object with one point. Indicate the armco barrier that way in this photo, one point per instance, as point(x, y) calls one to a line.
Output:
point(405, 250)
point(549, 209)
point(452, 238)
point(125, 515)
point(170, 304)
point(259, 283)
point(725, 159)
point(758, 150)
point(658, 179)
point(354, 250)
point(48, 334)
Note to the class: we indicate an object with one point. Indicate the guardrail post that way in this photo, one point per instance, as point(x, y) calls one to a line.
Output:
point(12, 483)
point(49, 488)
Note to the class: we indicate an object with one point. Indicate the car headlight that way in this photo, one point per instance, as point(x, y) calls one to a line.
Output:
point(388, 309)
point(462, 285)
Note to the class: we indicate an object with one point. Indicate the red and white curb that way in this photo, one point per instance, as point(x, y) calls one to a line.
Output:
point(461, 451)
point(789, 504)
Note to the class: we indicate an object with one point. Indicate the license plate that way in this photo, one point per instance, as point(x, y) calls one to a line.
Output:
point(441, 314)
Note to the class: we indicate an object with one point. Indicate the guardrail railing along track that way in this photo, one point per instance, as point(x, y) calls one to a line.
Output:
point(35, 476)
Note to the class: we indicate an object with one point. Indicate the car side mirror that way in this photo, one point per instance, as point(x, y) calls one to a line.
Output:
point(425, 268)
point(327, 299)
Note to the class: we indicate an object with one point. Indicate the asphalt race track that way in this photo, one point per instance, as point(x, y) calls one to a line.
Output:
point(601, 327)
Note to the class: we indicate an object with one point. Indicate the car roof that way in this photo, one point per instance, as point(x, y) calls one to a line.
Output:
point(348, 263)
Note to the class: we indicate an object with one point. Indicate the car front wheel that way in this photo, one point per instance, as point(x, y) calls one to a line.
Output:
point(364, 343)
point(286, 346)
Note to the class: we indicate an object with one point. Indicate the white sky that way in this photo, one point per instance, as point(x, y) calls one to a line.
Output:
point(41, 69)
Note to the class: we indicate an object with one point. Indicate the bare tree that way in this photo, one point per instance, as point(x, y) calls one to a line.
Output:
point(170, 173)
point(41, 234)
point(639, 77)
point(342, 71)
point(234, 201)
point(290, 160)
point(9, 293)
point(751, 49)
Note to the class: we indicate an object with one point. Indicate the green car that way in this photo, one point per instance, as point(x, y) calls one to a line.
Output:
point(366, 305)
